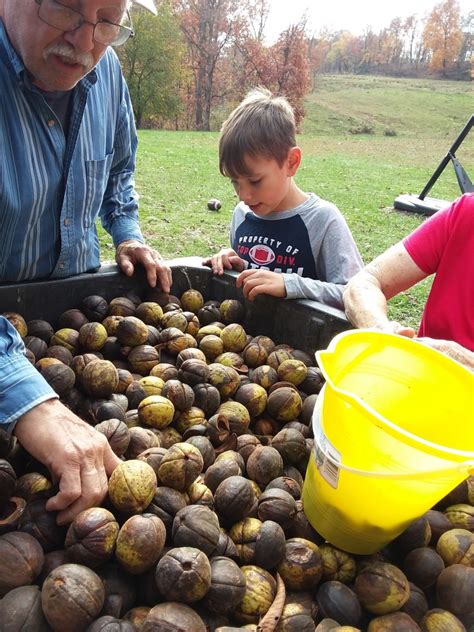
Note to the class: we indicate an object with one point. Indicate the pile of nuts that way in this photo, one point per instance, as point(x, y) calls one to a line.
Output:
point(203, 527)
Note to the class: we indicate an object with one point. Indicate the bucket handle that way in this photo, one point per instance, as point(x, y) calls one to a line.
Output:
point(466, 465)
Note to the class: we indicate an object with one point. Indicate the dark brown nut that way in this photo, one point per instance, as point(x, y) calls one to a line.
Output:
point(291, 444)
point(255, 354)
point(277, 356)
point(394, 622)
point(264, 375)
point(94, 307)
point(196, 526)
point(140, 542)
point(181, 395)
point(260, 591)
point(454, 590)
point(227, 586)
point(135, 394)
point(206, 449)
point(461, 516)
point(142, 358)
point(246, 444)
point(117, 434)
point(456, 546)
point(121, 306)
point(194, 372)
point(41, 329)
point(337, 601)
point(301, 527)
point(287, 484)
point(137, 616)
point(91, 537)
point(264, 464)
point(21, 560)
point(156, 411)
point(52, 560)
point(37, 346)
point(382, 588)
point(295, 618)
point(417, 535)
point(180, 466)
point(165, 371)
point(219, 471)
point(60, 377)
point(165, 504)
point(438, 620)
point(169, 436)
point(461, 494)
point(234, 499)
point(153, 457)
point(10, 514)
point(21, 610)
point(132, 486)
point(277, 505)
point(173, 616)
point(183, 574)
point(313, 382)
point(189, 354)
point(208, 314)
point(100, 378)
point(174, 319)
point(270, 544)
point(284, 404)
point(417, 604)
point(226, 548)
point(245, 534)
point(111, 323)
point(439, 524)
point(107, 623)
point(141, 439)
point(72, 597)
point(337, 565)
point(41, 524)
point(422, 566)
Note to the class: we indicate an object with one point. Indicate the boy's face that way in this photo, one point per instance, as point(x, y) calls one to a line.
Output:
point(267, 187)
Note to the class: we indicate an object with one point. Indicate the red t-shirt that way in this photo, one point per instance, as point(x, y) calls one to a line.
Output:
point(444, 244)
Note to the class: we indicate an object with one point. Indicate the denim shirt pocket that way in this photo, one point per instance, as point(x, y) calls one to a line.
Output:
point(97, 178)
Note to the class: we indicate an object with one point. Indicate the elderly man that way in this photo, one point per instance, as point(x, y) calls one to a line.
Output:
point(67, 158)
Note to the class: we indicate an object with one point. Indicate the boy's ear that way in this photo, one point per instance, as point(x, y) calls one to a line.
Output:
point(293, 160)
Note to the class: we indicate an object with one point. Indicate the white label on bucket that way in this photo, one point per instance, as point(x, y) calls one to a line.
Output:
point(325, 453)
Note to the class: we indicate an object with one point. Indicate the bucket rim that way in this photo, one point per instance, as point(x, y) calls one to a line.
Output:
point(393, 429)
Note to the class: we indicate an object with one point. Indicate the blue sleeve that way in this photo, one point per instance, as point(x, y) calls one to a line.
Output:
point(21, 386)
point(119, 212)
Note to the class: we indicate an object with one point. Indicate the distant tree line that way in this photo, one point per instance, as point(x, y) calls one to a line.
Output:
point(190, 65)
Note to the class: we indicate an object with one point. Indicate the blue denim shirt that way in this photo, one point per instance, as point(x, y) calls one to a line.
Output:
point(53, 189)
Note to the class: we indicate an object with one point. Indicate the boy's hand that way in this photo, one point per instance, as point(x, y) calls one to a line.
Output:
point(226, 259)
point(255, 282)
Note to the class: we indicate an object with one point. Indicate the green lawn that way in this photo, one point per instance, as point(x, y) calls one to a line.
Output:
point(362, 174)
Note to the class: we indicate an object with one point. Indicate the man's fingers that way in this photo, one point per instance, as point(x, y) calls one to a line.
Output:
point(70, 488)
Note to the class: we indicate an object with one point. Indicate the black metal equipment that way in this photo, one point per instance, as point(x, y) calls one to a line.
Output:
point(429, 206)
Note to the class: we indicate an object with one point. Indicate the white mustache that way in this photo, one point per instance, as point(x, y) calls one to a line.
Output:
point(66, 51)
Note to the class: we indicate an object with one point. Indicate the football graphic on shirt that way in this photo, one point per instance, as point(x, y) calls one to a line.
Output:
point(262, 255)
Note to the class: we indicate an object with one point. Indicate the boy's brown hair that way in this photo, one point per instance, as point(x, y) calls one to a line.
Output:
point(262, 125)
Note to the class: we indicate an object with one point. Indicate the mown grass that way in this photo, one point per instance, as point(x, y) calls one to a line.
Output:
point(177, 172)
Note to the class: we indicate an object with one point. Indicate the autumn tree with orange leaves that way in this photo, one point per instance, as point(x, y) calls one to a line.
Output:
point(443, 36)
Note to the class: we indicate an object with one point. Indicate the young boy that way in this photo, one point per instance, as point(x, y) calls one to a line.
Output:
point(287, 242)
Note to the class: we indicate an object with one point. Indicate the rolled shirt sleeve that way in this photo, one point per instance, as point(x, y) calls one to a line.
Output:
point(21, 386)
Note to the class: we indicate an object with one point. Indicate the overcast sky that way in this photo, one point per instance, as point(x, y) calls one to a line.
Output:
point(351, 15)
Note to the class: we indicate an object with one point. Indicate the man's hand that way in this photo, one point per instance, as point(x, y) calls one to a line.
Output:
point(132, 252)
point(255, 282)
point(394, 327)
point(452, 349)
point(226, 259)
point(78, 456)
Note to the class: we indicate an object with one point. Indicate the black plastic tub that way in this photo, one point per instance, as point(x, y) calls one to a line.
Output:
point(304, 324)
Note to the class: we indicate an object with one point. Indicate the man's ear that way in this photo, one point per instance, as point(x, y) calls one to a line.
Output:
point(293, 161)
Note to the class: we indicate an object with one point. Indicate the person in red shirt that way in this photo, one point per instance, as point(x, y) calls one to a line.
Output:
point(444, 246)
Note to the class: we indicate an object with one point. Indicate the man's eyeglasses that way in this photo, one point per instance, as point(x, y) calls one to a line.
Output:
point(63, 18)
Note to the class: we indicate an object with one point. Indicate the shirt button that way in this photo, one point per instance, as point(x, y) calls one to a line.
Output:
point(67, 222)
point(51, 123)
point(61, 264)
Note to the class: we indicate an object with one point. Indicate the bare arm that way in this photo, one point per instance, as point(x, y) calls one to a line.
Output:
point(367, 293)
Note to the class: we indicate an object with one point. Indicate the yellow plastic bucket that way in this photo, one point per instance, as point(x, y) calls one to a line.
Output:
point(394, 433)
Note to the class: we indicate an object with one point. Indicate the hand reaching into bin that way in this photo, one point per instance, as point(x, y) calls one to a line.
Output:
point(78, 456)
point(132, 252)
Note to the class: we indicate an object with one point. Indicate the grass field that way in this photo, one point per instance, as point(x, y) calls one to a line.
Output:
point(361, 173)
